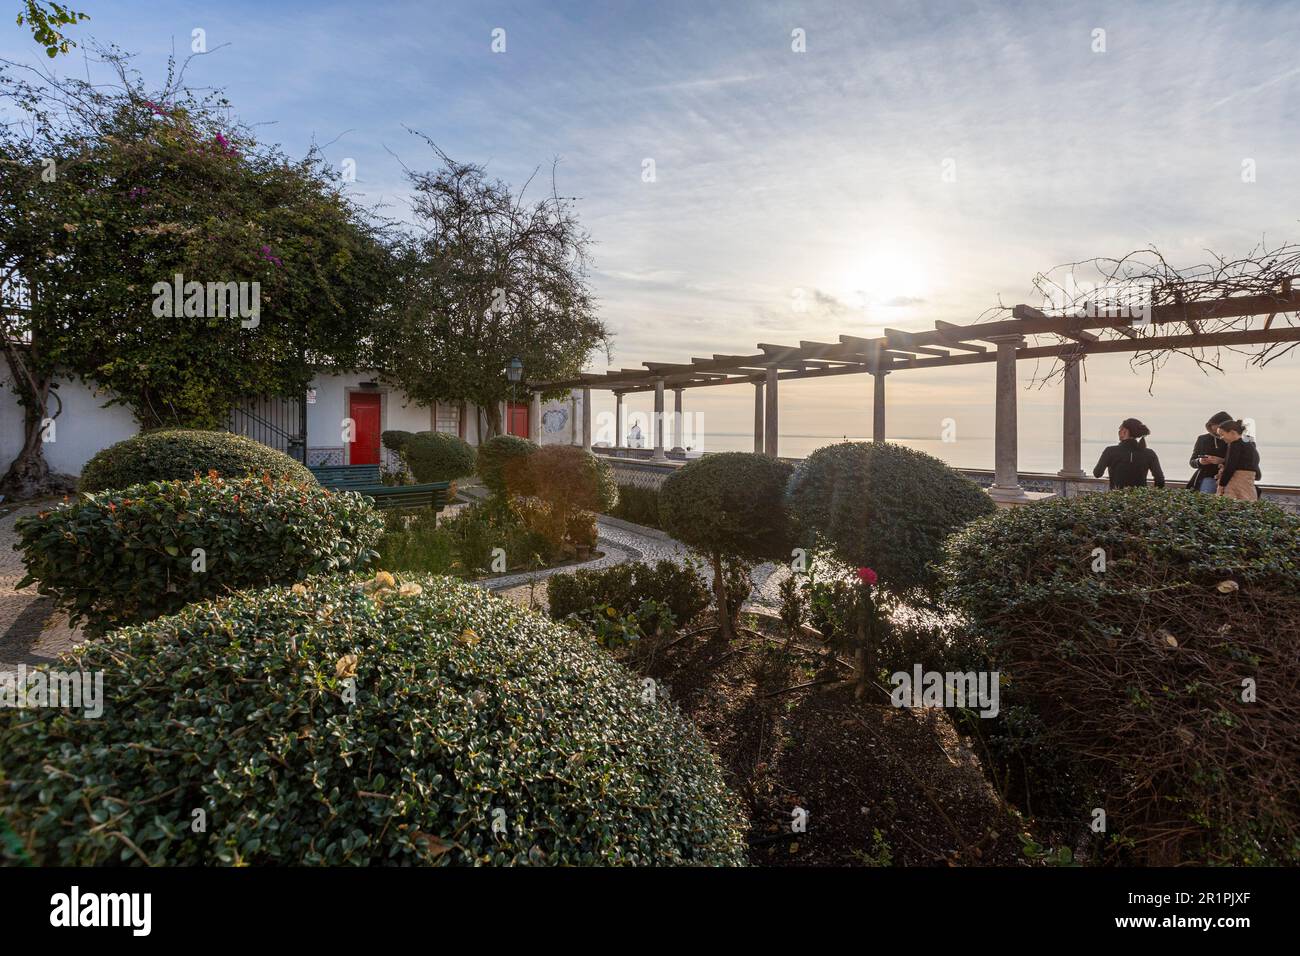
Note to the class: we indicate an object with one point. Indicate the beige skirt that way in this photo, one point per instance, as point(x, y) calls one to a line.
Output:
point(1241, 486)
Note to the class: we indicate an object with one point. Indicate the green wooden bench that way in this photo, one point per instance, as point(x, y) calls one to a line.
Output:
point(365, 480)
point(346, 476)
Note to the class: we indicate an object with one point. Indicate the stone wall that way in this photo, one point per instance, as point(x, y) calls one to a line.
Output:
point(647, 474)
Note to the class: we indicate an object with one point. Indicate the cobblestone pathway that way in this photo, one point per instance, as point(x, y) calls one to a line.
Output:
point(31, 631)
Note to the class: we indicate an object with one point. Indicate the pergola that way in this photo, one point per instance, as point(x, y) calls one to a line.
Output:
point(1091, 330)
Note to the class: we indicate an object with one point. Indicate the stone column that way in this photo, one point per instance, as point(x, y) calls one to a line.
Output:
point(586, 419)
point(677, 421)
point(618, 420)
point(1071, 422)
point(758, 418)
point(1006, 479)
point(657, 426)
point(769, 415)
point(878, 406)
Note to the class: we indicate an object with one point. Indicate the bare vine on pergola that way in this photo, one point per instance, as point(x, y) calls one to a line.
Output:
point(1143, 279)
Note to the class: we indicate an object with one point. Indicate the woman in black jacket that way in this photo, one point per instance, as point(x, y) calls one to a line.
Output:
point(1207, 456)
point(1240, 464)
point(1130, 460)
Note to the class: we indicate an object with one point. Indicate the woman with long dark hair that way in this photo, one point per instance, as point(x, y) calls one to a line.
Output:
point(1131, 460)
point(1237, 473)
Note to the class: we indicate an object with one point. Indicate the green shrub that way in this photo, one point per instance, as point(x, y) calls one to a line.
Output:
point(462, 544)
point(626, 588)
point(437, 456)
point(394, 439)
point(498, 455)
point(416, 543)
point(126, 556)
point(565, 487)
point(884, 507)
point(1127, 626)
point(180, 454)
point(340, 722)
point(729, 505)
point(638, 505)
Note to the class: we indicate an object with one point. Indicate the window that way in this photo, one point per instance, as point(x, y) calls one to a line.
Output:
point(447, 418)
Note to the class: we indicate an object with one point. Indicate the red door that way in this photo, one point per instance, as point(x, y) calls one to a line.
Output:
point(517, 419)
point(363, 409)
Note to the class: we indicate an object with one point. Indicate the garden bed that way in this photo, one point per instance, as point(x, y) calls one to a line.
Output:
point(882, 786)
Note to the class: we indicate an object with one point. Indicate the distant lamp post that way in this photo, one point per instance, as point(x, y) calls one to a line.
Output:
point(514, 372)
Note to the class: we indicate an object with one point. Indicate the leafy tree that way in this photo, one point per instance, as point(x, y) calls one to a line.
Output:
point(113, 191)
point(729, 506)
point(488, 277)
point(46, 20)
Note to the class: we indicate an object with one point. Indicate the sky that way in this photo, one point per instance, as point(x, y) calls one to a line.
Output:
point(914, 162)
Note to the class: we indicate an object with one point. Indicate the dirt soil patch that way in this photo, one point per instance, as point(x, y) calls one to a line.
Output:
point(880, 785)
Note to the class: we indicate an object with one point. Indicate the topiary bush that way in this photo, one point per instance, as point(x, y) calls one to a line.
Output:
point(122, 557)
point(1147, 644)
point(344, 722)
point(497, 456)
point(395, 439)
point(180, 454)
point(566, 487)
point(884, 507)
point(729, 506)
point(437, 456)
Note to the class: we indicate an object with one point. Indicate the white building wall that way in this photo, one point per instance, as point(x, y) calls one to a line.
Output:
point(86, 426)
point(83, 428)
point(561, 421)
point(326, 414)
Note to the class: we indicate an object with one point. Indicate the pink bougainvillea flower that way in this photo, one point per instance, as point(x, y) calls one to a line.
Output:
point(867, 576)
point(266, 254)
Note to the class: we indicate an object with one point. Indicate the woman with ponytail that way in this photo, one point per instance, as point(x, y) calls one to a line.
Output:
point(1131, 460)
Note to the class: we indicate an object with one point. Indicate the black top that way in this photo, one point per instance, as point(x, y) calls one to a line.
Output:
point(1129, 463)
point(1206, 444)
point(1241, 456)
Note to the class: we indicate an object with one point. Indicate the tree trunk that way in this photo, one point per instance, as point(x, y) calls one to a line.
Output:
point(29, 473)
point(492, 414)
point(865, 656)
point(720, 596)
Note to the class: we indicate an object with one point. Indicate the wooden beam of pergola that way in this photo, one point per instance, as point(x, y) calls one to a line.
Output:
point(898, 349)
point(1070, 349)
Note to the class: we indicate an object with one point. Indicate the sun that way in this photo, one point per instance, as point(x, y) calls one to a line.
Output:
point(889, 276)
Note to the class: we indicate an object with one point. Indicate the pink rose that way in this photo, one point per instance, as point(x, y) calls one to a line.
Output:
point(867, 576)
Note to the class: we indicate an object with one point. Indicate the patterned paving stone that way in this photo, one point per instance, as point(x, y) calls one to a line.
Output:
point(31, 631)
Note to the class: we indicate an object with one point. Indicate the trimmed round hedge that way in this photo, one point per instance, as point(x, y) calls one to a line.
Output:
point(885, 507)
point(395, 439)
point(351, 722)
point(1147, 639)
point(729, 505)
point(122, 557)
point(437, 456)
point(499, 458)
point(182, 453)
